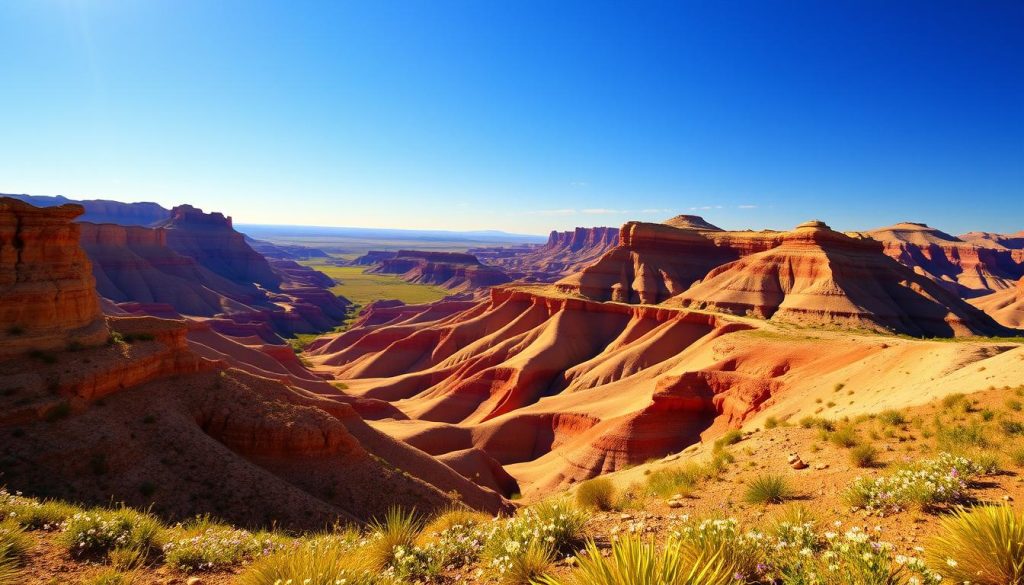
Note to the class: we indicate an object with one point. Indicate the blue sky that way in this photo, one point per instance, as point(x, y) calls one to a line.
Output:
point(522, 116)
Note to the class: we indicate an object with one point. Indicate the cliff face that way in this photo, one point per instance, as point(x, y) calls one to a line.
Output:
point(138, 267)
point(47, 295)
point(563, 254)
point(105, 211)
point(211, 240)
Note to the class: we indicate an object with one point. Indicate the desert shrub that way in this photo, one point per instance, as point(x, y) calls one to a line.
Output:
point(771, 422)
point(635, 562)
point(951, 401)
point(1014, 404)
point(742, 552)
point(892, 418)
point(633, 497)
point(987, 414)
point(864, 456)
point(13, 539)
point(127, 558)
point(1011, 427)
point(452, 540)
point(212, 548)
point(100, 530)
point(767, 489)
point(522, 563)
point(984, 546)
point(110, 576)
point(32, 513)
point(957, 438)
point(928, 483)
point(532, 539)
point(597, 493)
point(1017, 456)
point(676, 480)
point(317, 561)
point(845, 436)
point(398, 529)
point(730, 437)
point(10, 573)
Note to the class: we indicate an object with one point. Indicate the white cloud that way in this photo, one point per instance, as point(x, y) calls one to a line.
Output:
point(747, 206)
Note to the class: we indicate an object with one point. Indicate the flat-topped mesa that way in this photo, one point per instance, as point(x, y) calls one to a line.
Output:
point(374, 257)
point(654, 261)
point(451, 270)
point(213, 242)
point(818, 276)
point(48, 298)
point(968, 268)
point(691, 222)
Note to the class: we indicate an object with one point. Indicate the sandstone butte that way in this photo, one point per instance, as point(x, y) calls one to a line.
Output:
point(47, 295)
point(968, 268)
point(211, 422)
point(454, 271)
point(615, 366)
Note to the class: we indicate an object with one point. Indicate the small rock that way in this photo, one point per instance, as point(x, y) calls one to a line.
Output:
point(796, 462)
point(194, 581)
point(675, 504)
point(625, 517)
point(821, 465)
point(1007, 498)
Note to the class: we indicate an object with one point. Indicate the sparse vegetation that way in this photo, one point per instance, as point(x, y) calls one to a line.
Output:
point(767, 489)
point(864, 456)
point(99, 530)
point(984, 545)
point(597, 493)
point(940, 481)
point(636, 562)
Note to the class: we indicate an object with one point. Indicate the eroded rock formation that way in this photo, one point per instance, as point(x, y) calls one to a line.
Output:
point(966, 268)
point(451, 270)
point(1005, 306)
point(817, 276)
point(48, 299)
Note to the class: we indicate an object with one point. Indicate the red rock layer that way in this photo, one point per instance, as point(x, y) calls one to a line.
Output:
point(654, 262)
point(817, 276)
point(1005, 306)
point(691, 222)
point(966, 268)
point(523, 375)
point(47, 295)
point(453, 271)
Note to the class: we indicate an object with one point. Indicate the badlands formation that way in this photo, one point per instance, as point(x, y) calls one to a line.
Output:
point(454, 271)
point(172, 414)
point(674, 335)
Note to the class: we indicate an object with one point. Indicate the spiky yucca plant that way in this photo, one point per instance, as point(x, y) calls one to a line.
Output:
point(984, 546)
point(636, 562)
point(400, 528)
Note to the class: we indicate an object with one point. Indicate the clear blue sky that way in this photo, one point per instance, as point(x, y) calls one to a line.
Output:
point(522, 116)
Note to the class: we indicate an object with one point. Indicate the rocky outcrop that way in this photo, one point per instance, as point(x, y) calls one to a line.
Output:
point(211, 240)
point(451, 270)
point(654, 262)
point(817, 276)
point(47, 296)
point(966, 268)
point(1005, 306)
